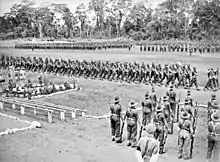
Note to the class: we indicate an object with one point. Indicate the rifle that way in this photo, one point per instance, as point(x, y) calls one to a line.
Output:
point(178, 108)
point(171, 126)
point(140, 132)
point(194, 129)
point(122, 127)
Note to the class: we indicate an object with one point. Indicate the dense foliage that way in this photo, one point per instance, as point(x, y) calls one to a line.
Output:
point(171, 19)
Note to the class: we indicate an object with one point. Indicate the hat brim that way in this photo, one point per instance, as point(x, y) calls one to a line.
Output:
point(184, 117)
point(117, 100)
point(159, 109)
point(132, 104)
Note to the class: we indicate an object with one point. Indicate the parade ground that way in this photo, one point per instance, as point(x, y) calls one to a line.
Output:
point(89, 140)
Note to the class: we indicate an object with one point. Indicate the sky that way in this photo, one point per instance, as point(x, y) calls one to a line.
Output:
point(5, 5)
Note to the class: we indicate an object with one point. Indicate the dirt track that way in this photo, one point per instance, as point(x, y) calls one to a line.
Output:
point(89, 140)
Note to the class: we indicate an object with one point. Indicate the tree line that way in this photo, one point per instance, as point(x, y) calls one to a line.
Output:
point(170, 19)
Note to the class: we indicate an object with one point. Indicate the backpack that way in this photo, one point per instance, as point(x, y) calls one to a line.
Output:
point(214, 131)
point(147, 154)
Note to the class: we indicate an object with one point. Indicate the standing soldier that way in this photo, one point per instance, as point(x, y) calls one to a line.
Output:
point(115, 117)
point(209, 106)
point(213, 108)
point(162, 127)
point(153, 98)
point(190, 49)
point(185, 131)
point(132, 120)
point(168, 113)
point(214, 138)
point(172, 98)
point(148, 146)
point(189, 97)
point(147, 110)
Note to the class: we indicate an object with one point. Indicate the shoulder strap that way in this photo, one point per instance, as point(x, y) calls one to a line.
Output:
point(147, 146)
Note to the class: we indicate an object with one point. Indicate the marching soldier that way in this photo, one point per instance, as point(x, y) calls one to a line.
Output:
point(132, 120)
point(194, 78)
point(115, 116)
point(162, 127)
point(185, 131)
point(213, 151)
point(148, 146)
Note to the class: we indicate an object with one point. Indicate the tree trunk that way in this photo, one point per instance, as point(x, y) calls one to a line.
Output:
point(109, 30)
point(40, 30)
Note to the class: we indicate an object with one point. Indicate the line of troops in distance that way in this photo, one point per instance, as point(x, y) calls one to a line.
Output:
point(175, 74)
point(30, 89)
point(163, 114)
point(151, 47)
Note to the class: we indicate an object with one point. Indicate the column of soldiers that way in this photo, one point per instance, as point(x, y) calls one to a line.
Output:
point(140, 73)
point(75, 46)
point(191, 47)
point(155, 124)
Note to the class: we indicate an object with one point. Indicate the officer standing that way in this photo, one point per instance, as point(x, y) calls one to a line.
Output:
point(213, 151)
point(132, 120)
point(148, 146)
point(185, 131)
point(115, 116)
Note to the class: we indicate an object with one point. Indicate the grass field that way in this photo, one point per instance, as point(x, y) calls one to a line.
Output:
point(9, 123)
point(89, 140)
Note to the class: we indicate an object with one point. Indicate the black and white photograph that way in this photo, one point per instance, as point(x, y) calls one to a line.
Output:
point(109, 80)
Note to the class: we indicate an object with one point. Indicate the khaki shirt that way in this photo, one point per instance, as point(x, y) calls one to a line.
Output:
point(148, 146)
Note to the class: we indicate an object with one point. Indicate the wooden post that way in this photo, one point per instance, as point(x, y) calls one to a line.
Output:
point(22, 110)
point(1, 105)
point(35, 112)
point(49, 116)
point(13, 106)
point(73, 114)
point(83, 113)
point(62, 115)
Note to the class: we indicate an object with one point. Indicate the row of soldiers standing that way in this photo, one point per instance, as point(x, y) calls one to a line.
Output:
point(179, 47)
point(157, 123)
point(74, 46)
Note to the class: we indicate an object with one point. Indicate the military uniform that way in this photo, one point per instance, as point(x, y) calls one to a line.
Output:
point(162, 127)
point(209, 106)
point(132, 120)
point(194, 78)
point(148, 146)
point(172, 98)
point(147, 110)
point(115, 117)
point(213, 152)
point(168, 113)
point(185, 131)
point(153, 98)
